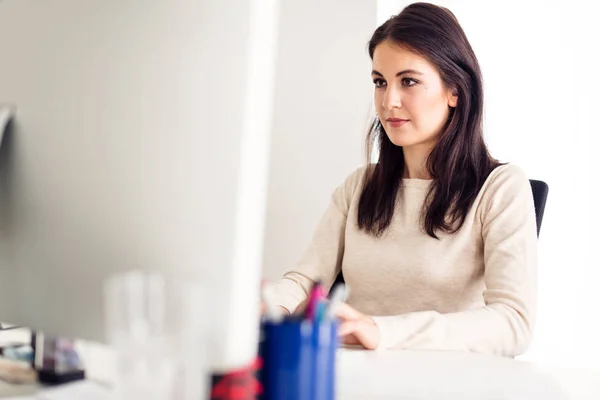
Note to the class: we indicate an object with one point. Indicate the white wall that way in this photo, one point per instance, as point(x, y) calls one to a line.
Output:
point(323, 97)
point(542, 101)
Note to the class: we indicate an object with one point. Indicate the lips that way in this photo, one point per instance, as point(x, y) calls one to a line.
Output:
point(396, 122)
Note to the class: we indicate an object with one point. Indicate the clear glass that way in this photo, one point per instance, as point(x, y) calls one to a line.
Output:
point(154, 323)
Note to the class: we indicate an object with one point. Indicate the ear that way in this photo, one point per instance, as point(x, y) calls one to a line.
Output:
point(452, 98)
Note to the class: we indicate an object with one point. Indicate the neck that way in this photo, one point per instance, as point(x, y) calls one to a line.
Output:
point(415, 163)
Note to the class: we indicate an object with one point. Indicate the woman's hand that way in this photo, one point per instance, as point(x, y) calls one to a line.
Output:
point(357, 328)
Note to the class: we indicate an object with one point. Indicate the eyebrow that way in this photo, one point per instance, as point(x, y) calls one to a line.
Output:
point(406, 71)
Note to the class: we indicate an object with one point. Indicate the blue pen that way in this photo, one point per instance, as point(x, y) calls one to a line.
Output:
point(321, 310)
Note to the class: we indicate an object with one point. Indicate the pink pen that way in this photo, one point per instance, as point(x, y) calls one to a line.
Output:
point(316, 296)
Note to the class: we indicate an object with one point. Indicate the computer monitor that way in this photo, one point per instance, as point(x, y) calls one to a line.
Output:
point(139, 141)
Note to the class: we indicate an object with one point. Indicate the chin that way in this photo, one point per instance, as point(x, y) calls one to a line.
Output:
point(401, 140)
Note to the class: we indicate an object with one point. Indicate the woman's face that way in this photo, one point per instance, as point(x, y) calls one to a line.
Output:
point(412, 102)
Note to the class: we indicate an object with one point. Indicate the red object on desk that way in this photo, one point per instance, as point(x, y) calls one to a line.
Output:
point(240, 384)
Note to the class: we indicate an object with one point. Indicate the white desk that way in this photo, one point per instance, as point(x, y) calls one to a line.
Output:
point(364, 375)
point(456, 376)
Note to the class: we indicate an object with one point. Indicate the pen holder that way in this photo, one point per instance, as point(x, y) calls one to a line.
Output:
point(298, 359)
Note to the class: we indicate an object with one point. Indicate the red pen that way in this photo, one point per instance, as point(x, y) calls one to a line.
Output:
point(316, 296)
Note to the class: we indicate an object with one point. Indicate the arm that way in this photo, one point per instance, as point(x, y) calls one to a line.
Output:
point(323, 257)
point(504, 325)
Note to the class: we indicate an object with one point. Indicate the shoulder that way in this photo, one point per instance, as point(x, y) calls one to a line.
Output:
point(506, 184)
point(355, 178)
point(349, 189)
point(506, 177)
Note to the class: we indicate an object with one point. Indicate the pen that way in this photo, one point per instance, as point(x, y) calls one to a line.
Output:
point(338, 296)
point(316, 296)
point(321, 311)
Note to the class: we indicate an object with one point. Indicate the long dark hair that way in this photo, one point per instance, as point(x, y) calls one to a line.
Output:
point(460, 162)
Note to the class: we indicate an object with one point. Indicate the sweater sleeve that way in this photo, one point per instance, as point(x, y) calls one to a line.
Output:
point(323, 258)
point(504, 325)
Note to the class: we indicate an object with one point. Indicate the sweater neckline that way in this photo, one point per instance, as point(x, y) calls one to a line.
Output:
point(417, 183)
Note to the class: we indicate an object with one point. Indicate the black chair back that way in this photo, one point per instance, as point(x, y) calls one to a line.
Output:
point(540, 194)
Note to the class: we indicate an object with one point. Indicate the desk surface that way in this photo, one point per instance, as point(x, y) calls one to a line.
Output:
point(412, 375)
point(456, 376)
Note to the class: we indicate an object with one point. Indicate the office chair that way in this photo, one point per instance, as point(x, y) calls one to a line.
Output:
point(539, 190)
point(540, 194)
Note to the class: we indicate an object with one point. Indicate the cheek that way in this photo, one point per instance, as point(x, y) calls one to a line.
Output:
point(378, 100)
point(429, 113)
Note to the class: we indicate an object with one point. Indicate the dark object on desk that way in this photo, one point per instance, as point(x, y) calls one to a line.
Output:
point(50, 377)
point(60, 362)
point(539, 189)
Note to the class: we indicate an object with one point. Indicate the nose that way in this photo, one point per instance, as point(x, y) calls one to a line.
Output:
point(392, 98)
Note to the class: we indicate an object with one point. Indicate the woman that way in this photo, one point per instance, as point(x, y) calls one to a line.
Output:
point(437, 240)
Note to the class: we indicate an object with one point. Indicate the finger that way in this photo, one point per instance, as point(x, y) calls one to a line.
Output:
point(368, 336)
point(350, 340)
point(346, 332)
point(345, 312)
point(364, 333)
point(347, 328)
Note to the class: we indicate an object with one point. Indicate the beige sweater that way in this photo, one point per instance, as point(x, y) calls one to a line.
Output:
point(474, 290)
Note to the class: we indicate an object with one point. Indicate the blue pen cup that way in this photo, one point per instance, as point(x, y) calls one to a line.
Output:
point(298, 360)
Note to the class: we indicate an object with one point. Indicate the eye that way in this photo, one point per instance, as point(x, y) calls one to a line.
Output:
point(379, 83)
point(409, 82)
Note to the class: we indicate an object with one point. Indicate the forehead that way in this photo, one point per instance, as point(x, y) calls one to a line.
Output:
point(390, 58)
